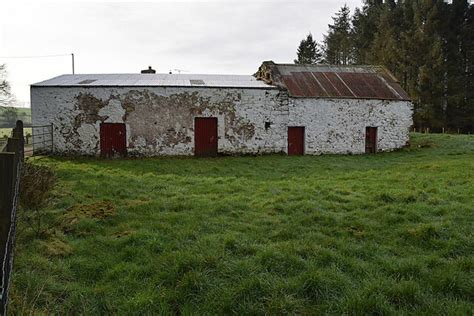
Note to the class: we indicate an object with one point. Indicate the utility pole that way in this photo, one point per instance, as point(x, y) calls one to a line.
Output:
point(72, 55)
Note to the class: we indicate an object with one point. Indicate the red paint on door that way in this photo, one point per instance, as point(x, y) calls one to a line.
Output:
point(205, 136)
point(295, 141)
point(371, 140)
point(113, 140)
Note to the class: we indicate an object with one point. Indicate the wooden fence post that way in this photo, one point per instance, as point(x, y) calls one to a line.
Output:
point(19, 134)
point(11, 162)
point(7, 166)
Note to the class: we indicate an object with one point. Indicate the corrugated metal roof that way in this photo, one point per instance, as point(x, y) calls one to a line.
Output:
point(152, 80)
point(327, 81)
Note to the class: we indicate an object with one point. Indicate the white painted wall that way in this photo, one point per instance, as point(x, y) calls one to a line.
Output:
point(163, 118)
point(163, 114)
point(337, 126)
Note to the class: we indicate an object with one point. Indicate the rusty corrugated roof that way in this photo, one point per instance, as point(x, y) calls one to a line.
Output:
point(327, 81)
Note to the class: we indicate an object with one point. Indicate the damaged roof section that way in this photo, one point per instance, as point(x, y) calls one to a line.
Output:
point(327, 81)
point(155, 80)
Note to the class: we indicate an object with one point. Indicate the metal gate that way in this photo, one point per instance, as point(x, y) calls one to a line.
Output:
point(205, 136)
point(41, 140)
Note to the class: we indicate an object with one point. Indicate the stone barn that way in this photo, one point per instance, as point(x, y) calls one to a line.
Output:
point(283, 108)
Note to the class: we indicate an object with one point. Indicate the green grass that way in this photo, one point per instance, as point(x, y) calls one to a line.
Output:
point(20, 111)
point(6, 132)
point(370, 234)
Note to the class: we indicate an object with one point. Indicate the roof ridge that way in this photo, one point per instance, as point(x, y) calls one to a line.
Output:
point(155, 74)
point(158, 80)
point(331, 65)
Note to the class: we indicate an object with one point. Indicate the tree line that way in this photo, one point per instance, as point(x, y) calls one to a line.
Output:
point(427, 44)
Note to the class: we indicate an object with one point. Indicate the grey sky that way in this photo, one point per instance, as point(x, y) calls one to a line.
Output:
point(118, 37)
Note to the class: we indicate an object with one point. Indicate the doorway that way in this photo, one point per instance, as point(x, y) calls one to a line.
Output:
point(296, 140)
point(205, 136)
point(370, 140)
point(113, 140)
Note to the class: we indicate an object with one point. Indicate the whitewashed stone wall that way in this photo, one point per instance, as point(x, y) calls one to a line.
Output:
point(160, 120)
point(337, 126)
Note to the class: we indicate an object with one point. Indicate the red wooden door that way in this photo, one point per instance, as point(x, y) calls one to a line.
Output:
point(113, 140)
point(371, 140)
point(295, 141)
point(205, 136)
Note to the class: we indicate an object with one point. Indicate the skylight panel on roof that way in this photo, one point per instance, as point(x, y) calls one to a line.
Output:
point(87, 81)
point(196, 82)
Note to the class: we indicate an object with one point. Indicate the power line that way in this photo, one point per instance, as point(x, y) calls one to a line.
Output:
point(42, 56)
point(37, 56)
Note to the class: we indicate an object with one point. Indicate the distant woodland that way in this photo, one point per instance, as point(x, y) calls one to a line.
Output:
point(427, 44)
point(9, 115)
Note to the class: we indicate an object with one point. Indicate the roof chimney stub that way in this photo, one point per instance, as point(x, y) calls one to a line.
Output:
point(149, 71)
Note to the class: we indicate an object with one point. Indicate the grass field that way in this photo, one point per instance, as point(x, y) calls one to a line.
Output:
point(5, 132)
point(370, 234)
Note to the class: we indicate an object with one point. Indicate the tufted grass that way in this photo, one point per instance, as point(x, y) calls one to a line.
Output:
point(378, 234)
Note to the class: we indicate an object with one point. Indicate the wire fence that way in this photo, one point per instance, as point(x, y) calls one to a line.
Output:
point(11, 164)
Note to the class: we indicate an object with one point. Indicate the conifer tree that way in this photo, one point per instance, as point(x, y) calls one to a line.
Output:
point(459, 34)
point(308, 52)
point(428, 45)
point(364, 29)
point(384, 49)
point(428, 63)
point(338, 41)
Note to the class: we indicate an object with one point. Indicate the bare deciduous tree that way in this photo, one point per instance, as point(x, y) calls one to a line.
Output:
point(6, 96)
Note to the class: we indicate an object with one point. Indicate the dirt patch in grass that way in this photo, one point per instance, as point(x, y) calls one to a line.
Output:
point(56, 247)
point(426, 143)
point(122, 234)
point(96, 211)
point(423, 233)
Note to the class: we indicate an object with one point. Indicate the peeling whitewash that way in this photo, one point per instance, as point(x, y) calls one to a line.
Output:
point(160, 120)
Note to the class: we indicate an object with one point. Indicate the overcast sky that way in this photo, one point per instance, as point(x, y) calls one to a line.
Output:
point(223, 37)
